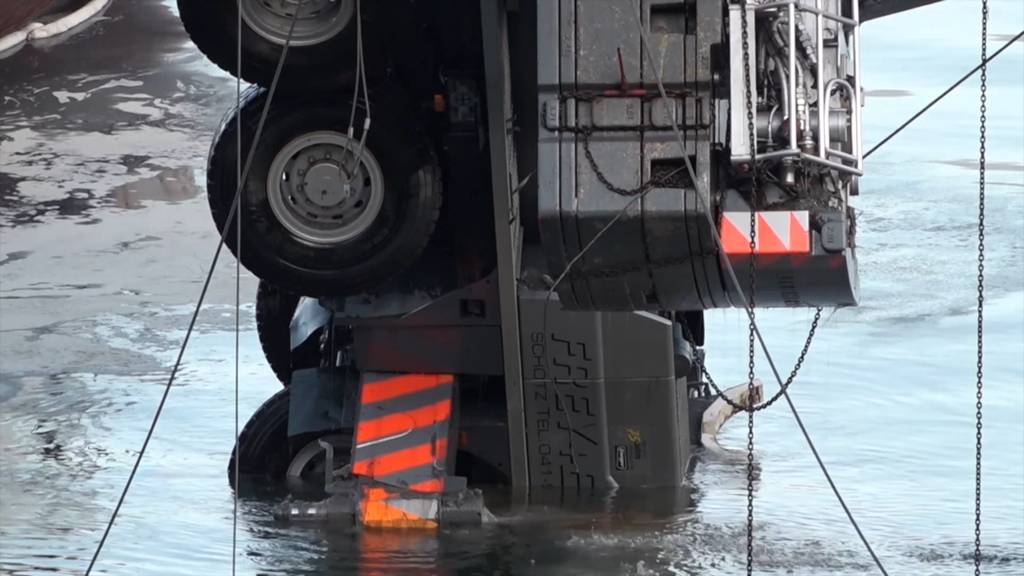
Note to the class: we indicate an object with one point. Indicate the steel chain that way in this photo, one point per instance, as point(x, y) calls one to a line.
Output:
point(752, 270)
point(981, 286)
point(785, 385)
point(627, 192)
point(653, 182)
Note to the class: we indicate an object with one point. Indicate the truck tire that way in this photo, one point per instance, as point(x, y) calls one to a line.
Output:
point(274, 311)
point(323, 45)
point(264, 449)
point(314, 220)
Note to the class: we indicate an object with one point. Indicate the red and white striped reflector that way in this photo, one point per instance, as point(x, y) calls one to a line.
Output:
point(781, 232)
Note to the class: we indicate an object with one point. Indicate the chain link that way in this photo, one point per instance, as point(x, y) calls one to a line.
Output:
point(981, 286)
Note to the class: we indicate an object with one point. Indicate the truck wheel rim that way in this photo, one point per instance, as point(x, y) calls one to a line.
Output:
point(321, 193)
point(318, 20)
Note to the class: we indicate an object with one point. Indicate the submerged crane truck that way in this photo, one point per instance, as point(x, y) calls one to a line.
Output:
point(486, 233)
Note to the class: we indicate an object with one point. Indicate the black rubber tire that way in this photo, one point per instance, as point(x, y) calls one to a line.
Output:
point(265, 446)
point(213, 26)
point(411, 204)
point(263, 442)
point(274, 311)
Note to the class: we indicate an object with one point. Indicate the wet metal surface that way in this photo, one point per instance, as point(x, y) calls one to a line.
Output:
point(105, 236)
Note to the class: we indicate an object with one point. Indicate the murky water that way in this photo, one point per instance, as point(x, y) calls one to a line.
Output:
point(104, 235)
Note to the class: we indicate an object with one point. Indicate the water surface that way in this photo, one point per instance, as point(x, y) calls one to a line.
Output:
point(105, 234)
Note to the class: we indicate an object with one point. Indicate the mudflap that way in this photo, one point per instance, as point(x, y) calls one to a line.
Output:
point(403, 456)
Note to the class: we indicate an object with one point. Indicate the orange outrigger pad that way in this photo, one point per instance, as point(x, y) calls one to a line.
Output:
point(402, 448)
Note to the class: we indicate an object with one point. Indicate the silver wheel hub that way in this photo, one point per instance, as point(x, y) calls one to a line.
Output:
point(326, 186)
point(317, 21)
point(321, 192)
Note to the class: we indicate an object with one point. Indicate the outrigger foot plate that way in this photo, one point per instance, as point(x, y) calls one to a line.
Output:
point(374, 505)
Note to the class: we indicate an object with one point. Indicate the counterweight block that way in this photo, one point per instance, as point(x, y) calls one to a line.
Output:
point(616, 185)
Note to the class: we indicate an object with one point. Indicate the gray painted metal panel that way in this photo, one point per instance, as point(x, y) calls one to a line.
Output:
point(709, 32)
point(549, 145)
point(693, 235)
point(623, 244)
point(320, 399)
point(607, 32)
point(603, 403)
point(667, 219)
point(667, 241)
point(666, 22)
point(649, 448)
point(662, 254)
point(602, 27)
point(648, 445)
point(458, 333)
point(430, 349)
point(565, 404)
point(567, 193)
point(626, 269)
point(637, 345)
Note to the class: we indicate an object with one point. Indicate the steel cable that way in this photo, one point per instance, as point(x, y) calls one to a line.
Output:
point(954, 86)
point(360, 80)
point(202, 295)
point(238, 295)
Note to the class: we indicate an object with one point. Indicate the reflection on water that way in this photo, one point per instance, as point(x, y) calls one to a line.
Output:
point(171, 185)
point(109, 131)
point(109, 119)
point(972, 164)
point(887, 93)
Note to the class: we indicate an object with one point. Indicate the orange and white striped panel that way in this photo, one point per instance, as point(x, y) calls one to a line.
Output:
point(780, 232)
point(402, 430)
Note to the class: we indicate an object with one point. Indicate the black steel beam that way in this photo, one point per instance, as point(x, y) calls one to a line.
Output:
point(506, 222)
